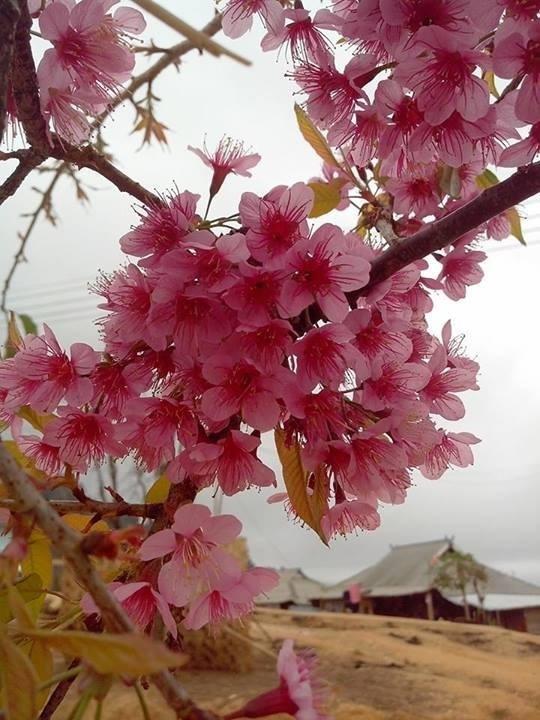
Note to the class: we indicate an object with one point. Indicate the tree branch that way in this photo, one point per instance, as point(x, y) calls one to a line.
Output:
point(28, 162)
point(67, 541)
point(88, 505)
point(437, 235)
point(25, 85)
point(198, 39)
point(9, 16)
point(89, 158)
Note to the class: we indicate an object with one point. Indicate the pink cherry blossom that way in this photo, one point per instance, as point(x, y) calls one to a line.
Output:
point(266, 346)
point(302, 35)
point(324, 354)
point(460, 269)
point(452, 449)
point(254, 294)
point(140, 601)
point(231, 462)
point(238, 15)
point(439, 393)
point(393, 384)
point(348, 516)
point(322, 271)
point(517, 55)
point(229, 157)
point(276, 222)
point(82, 437)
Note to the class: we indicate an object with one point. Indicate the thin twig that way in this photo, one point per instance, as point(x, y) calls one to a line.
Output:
point(27, 163)
point(198, 39)
point(44, 204)
point(58, 694)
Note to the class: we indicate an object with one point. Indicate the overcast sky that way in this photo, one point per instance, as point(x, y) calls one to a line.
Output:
point(490, 509)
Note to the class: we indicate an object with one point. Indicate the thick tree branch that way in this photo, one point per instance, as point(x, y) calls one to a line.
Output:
point(25, 85)
point(197, 38)
point(518, 187)
point(95, 507)
point(89, 158)
point(67, 542)
point(28, 162)
point(9, 16)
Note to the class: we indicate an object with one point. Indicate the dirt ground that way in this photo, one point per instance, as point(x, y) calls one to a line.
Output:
point(379, 668)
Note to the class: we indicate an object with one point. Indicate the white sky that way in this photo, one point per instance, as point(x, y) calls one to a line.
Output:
point(491, 509)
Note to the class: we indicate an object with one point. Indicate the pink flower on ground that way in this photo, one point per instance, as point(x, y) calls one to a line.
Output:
point(231, 461)
point(301, 693)
point(238, 15)
point(240, 388)
point(324, 354)
point(322, 272)
point(140, 601)
point(82, 437)
point(229, 157)
point(452, 449)
point(53, 374)
point(348, 516)
point(230, 598)
point(276, 222)
point(460, 269)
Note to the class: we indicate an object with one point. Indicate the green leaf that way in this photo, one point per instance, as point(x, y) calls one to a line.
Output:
point(29, 588)
point(28, 324)
point(19, 681)
point(123, 654)
point(37, 420)
point(42, 660)
point(310, 505)
point(327, 197)
point(515, 224)
point(314, 137)
point(159, 490)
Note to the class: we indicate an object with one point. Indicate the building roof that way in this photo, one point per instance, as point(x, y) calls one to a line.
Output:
point(405, 570)
point(409, 569)
point(499, 601)
point(293, 587)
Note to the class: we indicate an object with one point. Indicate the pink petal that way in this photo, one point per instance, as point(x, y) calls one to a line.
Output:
point(158, 545)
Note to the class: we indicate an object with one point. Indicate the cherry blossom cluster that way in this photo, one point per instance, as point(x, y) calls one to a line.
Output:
point(421, 96)
point(213, 339)
point(89, 60)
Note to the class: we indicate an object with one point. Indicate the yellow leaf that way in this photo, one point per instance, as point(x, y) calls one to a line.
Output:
point(449, 181)
point(489, 77)
point(486, 179)
point(42, 660)
point(159, 490)
point(123, 654)
point(80, 522)
point(314, 137)
point(19, 609)
point(29, 588)
point(25, 463)
point(327, 197)
point(19, 681)
point(38, 560)
point(515, 225)
point(36, 420)
point(310, 505)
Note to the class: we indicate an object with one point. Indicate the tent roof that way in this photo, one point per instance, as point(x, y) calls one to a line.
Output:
point(293, 587)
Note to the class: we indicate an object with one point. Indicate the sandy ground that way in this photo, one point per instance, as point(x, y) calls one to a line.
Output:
point(379, 668)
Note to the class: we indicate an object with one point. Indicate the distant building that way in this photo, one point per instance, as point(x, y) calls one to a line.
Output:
point(402, 584)
point(294, 589)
